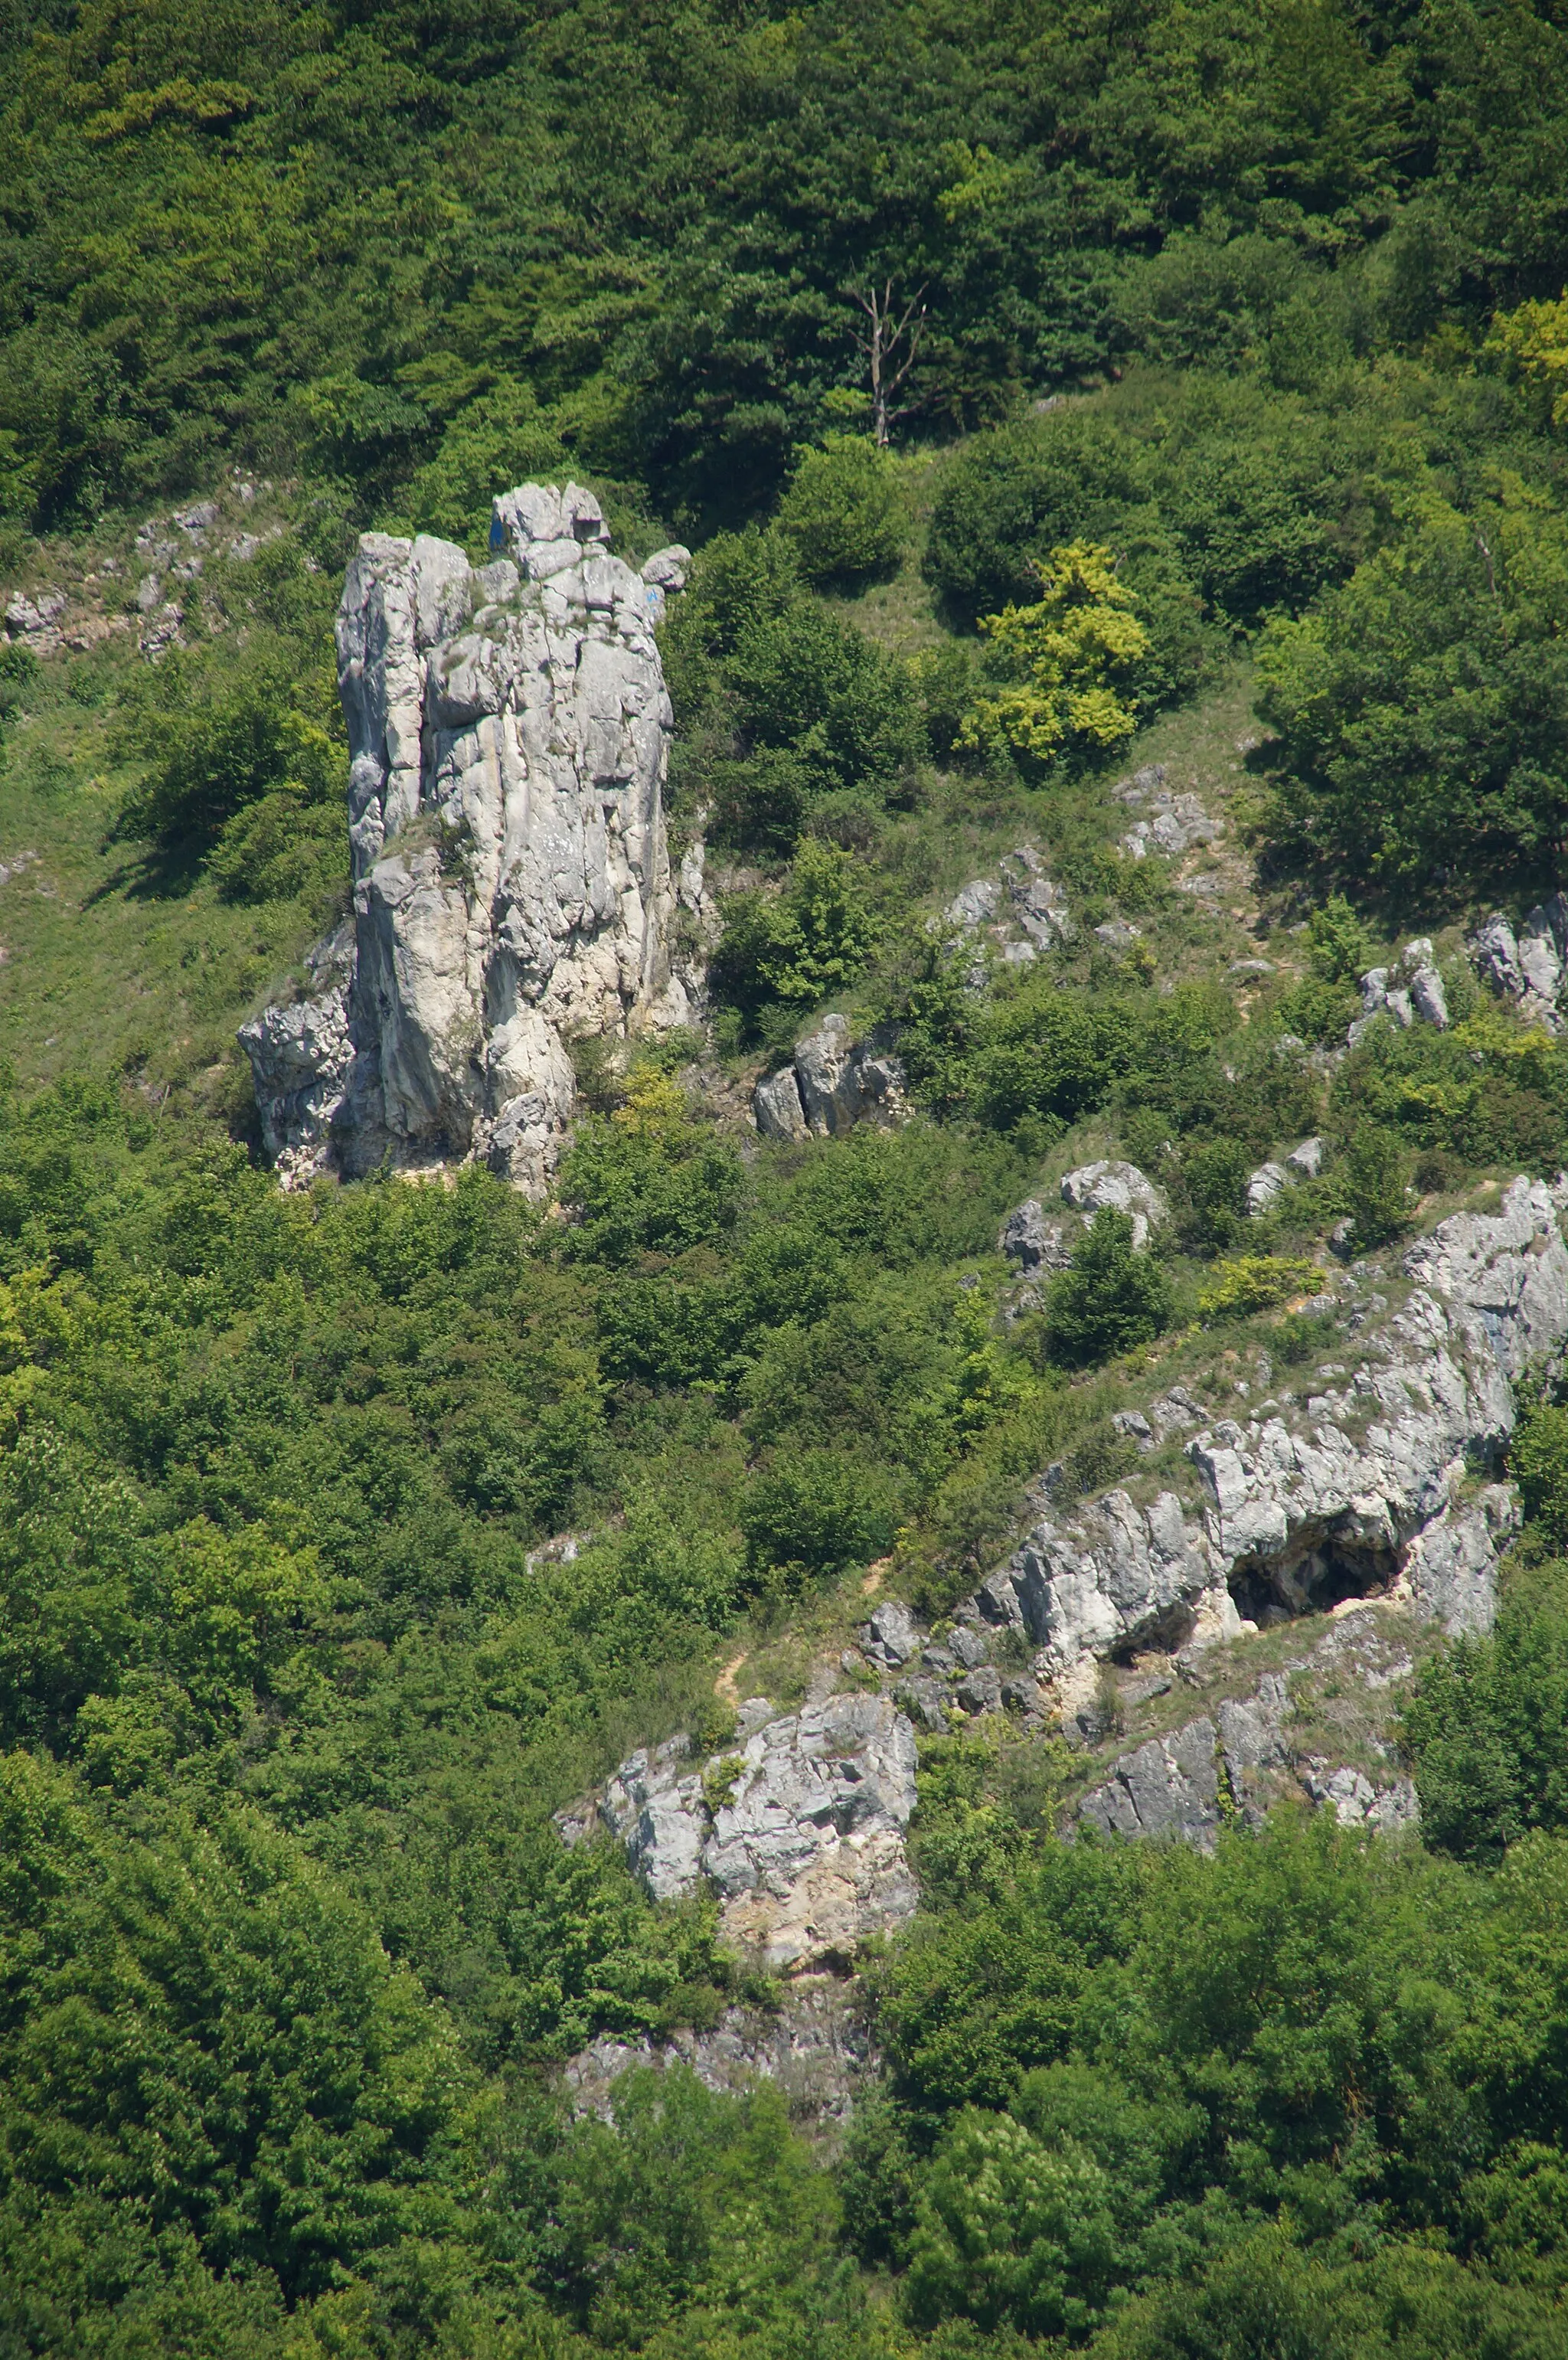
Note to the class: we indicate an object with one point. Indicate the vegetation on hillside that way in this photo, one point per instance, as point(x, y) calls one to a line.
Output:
point(345, 1536)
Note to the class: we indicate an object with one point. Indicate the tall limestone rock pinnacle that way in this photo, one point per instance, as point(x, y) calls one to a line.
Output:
point(509, 728)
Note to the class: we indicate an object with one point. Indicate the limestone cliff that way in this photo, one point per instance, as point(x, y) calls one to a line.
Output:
point(508, 731)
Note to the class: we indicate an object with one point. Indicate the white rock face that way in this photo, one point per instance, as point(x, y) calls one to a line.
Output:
point(508, 730)
point(806, 1850)
point(1119, 1187)
point(1362, 1490)
point(1528, 965)
point(835, 1082)
point(1172, 1786)
point(1116, 1577)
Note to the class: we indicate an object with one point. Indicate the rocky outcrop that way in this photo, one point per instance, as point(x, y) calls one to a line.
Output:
point(800, 1831)
point(816, 2048)
point(1185, 1785)
point(1034, 1245)
point(1229, 1766)
point(1527, 966)
point(1410, 991)
point(1120, 1187)
point(1117, 1576)
point(1367, 1490)
point(833, 1083)
point(508, 731)
point(1360, 1486)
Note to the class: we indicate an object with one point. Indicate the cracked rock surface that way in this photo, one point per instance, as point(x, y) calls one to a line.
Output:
point(801, 1831)
point(833, 1082)
point(509, 728)
point(1362, 1486)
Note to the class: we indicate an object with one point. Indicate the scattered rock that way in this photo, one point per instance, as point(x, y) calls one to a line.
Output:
point(34, 623)
point(1356, 1803)
point(1527, 966)
point(974, 905)
point(161, 630)
point(1020, 908)
point(816, 2046)
point(1245, 968)
point(1119, 934)
point(1179, 822)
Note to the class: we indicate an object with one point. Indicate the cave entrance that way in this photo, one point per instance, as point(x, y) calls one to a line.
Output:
point(1314, 1583)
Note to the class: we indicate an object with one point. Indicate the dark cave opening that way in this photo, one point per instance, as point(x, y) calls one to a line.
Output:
point(1312, 1583)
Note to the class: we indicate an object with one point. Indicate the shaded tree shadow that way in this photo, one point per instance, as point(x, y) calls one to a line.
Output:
point(153, 871)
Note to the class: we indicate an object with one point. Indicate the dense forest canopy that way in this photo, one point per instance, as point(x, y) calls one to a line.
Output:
point(387, 245)
point(348, 1534)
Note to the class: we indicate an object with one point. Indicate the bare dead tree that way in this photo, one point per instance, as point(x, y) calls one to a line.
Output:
point(891, 341)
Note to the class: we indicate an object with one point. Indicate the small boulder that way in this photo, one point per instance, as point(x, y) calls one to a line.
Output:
point(776, 1104)
point(1430, 999)
point(1494, 947)
point(890, 1638)
point(980, 1691)
point(1306, 1161)
point(1269, 1181)
point(666, 569)
point(974, 903)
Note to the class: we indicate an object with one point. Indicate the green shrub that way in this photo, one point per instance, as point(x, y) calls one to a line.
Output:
point(1214, 1173)
point(1111, 1297)
point(1369, 1182)
point(844, 513)
point(289, 843)
point(812, 686)
point(1256, 1283)
point(1537, 1461)
point(648, 1179)
point(813, 1515)
point(798, 946)
point(1013, 496)
point(1064, 661)
point(1338, 944)
point(1423, 708)
point(1488, 1728)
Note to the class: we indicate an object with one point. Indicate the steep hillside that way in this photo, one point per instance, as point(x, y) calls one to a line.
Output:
point(783, 1287)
